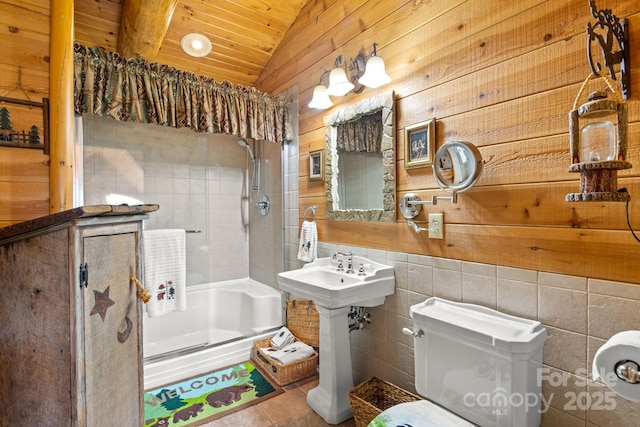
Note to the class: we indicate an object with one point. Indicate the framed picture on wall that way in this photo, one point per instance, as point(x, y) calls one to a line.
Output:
point(316, 165)
point(419, 144)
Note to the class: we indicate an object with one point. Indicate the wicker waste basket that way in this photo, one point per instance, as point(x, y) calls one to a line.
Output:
point(303, 320)
point(374, 396)
point(283, 374)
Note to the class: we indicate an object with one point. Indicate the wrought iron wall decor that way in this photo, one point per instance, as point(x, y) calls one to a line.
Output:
point(34, 137)
point(611, 35)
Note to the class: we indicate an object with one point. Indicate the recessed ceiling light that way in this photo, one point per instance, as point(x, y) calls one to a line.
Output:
point(196, 45)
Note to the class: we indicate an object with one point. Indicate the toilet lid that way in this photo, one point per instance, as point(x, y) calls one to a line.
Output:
point(419, 414)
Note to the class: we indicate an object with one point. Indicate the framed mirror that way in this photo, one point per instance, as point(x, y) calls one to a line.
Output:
point(360, 161)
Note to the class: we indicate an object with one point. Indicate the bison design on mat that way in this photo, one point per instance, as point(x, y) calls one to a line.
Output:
point(228, 395)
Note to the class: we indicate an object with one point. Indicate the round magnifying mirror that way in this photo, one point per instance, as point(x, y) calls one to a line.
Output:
point(457, 166)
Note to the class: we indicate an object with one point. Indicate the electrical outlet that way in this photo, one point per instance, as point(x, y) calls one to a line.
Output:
point(436, 226)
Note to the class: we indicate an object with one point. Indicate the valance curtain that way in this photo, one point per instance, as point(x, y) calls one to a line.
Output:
point(363, 135)
point(108, 85)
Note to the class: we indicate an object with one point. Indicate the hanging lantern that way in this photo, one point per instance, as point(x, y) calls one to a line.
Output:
point(597, 150)
point(597, 139)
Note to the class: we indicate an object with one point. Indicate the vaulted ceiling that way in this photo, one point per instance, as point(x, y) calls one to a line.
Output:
point(244, 33)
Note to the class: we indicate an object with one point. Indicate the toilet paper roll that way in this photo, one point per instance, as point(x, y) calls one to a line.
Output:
point(620, 347)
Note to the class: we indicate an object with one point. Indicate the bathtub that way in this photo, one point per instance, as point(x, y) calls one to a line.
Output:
point(218, 329)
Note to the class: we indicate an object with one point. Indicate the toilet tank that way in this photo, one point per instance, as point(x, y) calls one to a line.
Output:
point(479, 363)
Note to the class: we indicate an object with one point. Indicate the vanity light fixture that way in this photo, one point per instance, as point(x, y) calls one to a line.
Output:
point(195, 45)
point(339, 85)
point(374, 73)
point(352, 75)
point(320, 99)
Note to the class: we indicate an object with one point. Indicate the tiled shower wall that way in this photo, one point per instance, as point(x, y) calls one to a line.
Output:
point(200, 182)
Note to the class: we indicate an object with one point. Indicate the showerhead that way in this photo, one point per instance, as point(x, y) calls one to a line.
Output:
point(244, 144)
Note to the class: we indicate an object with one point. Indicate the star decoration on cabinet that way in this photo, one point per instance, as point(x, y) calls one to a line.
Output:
point(102, 304)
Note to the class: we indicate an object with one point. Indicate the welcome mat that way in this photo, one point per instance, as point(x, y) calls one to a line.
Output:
point(206, 397)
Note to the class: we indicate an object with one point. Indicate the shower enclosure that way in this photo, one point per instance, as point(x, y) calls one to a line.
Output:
point(204, 182)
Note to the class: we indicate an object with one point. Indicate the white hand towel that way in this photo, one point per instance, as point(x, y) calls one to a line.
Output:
point(291, 353)
point(165, 271)
point(308, 241)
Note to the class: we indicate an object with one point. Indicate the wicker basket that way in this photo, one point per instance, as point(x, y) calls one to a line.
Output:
point(374, 396)
point(303, 320)
point(283, 374)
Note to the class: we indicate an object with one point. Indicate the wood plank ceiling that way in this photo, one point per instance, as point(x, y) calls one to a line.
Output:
point(244, 33)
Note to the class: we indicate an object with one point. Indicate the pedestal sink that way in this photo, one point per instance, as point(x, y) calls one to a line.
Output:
point(335, 284)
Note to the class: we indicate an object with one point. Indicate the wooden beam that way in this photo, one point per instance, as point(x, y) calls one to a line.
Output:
point(61, 96)
point(143, 27)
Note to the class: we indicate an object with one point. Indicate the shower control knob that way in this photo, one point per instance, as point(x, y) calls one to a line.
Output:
point(263, 205)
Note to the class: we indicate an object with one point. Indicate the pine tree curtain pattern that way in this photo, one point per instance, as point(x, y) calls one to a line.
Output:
point(109, 85)
point(364, 134)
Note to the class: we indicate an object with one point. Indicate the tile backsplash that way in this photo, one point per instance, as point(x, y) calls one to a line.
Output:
point(579, 313)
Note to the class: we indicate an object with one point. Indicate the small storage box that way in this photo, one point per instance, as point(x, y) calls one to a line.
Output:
point(374, 396)
point(283, 374)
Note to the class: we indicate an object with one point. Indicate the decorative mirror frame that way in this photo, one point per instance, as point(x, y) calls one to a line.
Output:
point(382, 102)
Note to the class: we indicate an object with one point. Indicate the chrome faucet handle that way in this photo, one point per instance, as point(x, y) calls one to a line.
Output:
point(349, 262)
point(349, 256)
point(350, 267)
point(361, 270)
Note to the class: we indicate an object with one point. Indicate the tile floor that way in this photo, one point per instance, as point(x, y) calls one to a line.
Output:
point(289, 409)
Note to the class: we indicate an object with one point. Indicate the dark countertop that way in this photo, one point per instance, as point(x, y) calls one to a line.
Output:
point(81, 212)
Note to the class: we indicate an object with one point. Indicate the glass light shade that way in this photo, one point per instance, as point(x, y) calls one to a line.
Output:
point(374, 73)
point(320, 98)
point(196, 45)
point(339, 85)
point(597, 142)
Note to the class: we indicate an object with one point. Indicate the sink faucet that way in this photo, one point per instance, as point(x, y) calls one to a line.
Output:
point(349, 256)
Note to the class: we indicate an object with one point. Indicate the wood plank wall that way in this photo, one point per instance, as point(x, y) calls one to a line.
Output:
point(24, 43)
point(501, 74)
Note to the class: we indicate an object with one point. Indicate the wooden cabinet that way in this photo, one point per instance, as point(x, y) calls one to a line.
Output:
point(70, 337)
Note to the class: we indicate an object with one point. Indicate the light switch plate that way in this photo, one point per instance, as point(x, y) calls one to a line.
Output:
point(436, 226)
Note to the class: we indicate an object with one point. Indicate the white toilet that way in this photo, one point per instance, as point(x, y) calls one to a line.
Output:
point(478, 365)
